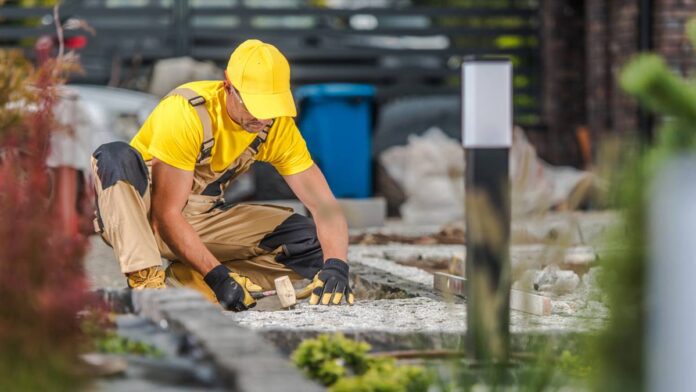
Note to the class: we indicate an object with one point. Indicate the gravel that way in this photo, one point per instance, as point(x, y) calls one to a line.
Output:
point(398, 316)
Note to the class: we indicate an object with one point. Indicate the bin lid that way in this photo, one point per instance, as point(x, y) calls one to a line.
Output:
point(326, 90)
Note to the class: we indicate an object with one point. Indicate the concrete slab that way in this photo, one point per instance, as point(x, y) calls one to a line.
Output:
point(523, 257)
point(363, 213)
point(519, 300)
point(409, 315)
point(101, 266)
point(409, 273)
point(569, 228)
point(398, 227)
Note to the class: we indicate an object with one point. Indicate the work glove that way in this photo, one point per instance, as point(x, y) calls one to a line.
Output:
point(330, 284)
point(231, 289)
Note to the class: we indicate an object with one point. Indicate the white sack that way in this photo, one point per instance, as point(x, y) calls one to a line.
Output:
point(430, 170)
point(173, 72)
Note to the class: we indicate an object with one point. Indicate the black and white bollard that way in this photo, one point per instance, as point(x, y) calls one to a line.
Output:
point(487, 137)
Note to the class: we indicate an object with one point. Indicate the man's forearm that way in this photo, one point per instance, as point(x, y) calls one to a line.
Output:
point(183, 240)
point(332, 231)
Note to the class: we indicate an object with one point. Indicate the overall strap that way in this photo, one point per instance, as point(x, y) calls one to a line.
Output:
point(259, 140)
point(215, 188)
point(197, 102)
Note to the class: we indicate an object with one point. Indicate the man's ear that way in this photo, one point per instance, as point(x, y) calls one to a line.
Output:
point(227, 80)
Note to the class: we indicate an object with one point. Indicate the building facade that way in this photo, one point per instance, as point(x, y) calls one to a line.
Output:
point(586, 43)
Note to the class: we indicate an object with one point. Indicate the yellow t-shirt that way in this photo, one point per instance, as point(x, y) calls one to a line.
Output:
point(173, 134)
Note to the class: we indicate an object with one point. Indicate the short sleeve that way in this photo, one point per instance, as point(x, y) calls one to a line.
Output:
point(286, 149)
point(177, 133)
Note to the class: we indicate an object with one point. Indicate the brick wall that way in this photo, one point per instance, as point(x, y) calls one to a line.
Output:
point(623, 45)
point(563, 57)
point(610, 39)
point(599, 78)
point(669, 19)
point(613, 37)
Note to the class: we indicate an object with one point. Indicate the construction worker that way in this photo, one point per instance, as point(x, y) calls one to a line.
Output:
point(162, 195)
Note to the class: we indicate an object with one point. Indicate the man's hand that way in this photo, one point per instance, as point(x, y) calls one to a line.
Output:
point(330, 285)
point(231, 289)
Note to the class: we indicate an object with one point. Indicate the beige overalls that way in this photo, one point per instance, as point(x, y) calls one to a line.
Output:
point(261, 242)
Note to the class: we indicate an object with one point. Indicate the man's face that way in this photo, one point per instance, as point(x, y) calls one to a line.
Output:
point(239, 113)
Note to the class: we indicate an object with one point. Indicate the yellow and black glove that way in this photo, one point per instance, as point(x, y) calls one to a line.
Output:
point(231, 289)
point(330, 285)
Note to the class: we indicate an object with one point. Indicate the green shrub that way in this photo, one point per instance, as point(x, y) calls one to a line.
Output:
point(112, 343)
point(620, 358)
point(344, 365)
point(386, 377)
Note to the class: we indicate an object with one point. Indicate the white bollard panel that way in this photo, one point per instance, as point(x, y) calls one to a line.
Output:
point(671, 275)
point(487, 103)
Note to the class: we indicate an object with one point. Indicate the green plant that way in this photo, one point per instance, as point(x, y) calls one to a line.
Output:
point(574, 365)
point(100, 332)
point(344, 365)
point(386, 376)
point(620, 350)
point(112, 343)
point(330, 357)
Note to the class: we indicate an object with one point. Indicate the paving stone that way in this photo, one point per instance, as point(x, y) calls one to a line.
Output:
point(413, 274)
point(267, 375)
point(133, 383)
point(244, 359)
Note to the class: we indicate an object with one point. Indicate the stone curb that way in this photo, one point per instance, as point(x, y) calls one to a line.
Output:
point(244, 359)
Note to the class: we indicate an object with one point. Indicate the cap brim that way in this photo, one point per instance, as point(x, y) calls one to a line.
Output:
point(267, 106)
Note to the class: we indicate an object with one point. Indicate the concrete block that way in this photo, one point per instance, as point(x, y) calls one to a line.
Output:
point(450, 284)
point(519, 300)
point(530, 303)
point(242, 357)
point(362, 213)
point(580, 255)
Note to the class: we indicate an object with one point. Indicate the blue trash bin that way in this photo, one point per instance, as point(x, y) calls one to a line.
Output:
point(336, 121)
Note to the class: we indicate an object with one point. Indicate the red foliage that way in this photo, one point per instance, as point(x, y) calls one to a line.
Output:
point(42, 283)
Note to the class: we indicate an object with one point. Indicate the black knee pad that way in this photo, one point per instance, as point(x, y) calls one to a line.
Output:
point(118, 161)
point(301, 249)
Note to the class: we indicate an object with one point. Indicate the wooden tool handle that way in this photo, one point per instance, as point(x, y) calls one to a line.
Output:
point(262, 294)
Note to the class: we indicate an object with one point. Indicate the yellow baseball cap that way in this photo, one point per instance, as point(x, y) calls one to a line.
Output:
point(261, 74)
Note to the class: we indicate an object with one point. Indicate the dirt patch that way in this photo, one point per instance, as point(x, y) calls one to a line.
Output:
point(453, 265)
point(364, 289)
